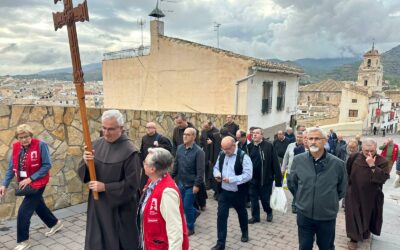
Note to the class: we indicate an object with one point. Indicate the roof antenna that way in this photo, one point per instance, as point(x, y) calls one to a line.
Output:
point(216, 28)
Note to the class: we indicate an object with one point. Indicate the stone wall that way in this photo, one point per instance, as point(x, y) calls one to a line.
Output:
point(61, 127)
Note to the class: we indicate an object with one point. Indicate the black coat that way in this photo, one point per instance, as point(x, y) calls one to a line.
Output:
point(270, 169)
point(209, 149)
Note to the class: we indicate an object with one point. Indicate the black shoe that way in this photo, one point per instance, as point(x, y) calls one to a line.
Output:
point(190, 232)
point(253, 220)
point(294, 210)
point(270, 217)
point(218, 247)
point(245, 237)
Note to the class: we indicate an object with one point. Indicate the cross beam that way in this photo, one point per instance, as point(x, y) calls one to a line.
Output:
point(69, 17)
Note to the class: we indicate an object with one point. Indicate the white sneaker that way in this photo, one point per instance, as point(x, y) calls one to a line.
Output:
point(54, 229)
point(23, 245)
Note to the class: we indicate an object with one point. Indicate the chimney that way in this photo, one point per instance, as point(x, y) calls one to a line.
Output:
point(156, 29)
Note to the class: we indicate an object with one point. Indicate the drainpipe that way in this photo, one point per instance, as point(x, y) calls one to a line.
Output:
point(237, 89)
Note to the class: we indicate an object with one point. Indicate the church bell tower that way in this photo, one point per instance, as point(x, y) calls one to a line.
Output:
point(370, 72)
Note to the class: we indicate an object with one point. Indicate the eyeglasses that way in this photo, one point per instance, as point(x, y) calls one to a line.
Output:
point(109, 129)
point(21, 138)
point(315, 138)
point(186, 134)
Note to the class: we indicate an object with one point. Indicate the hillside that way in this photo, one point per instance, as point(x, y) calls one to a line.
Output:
point(348, 71)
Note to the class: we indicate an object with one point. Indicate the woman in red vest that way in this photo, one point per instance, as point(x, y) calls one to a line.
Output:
point(390, 151)
point(160, 215)
point(30, 163)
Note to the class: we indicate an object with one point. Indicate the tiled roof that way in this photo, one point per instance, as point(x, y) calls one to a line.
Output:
point(333, 86)
point(280, 67)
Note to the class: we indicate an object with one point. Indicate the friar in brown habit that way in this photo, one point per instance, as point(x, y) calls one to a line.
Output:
point(367, 173)
point(111, 220)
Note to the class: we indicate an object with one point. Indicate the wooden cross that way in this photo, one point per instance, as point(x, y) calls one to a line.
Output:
point(68, 17)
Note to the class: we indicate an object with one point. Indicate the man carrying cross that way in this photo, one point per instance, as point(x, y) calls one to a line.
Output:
point(113, 196)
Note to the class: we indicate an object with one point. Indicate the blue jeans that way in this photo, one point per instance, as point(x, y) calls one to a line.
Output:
point(33, 203)
point(188, 199)
point(291, 188)
point(309, 228)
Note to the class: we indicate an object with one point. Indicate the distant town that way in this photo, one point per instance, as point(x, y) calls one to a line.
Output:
point(15, 91)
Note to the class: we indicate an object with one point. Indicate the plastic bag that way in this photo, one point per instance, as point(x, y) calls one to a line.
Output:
point(397, 181)
point(278, 200)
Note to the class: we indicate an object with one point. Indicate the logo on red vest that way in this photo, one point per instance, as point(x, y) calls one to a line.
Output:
point(153, 205)
point(34, 155)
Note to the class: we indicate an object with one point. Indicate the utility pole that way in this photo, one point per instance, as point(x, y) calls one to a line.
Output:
point(141, 23)
point(216, 28)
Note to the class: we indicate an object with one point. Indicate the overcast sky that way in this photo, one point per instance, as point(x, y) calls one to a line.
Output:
point(284, 29)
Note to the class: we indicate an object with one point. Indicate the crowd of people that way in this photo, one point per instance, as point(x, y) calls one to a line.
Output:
point(150, 198)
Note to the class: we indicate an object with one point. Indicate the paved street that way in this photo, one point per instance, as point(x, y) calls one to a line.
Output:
point(280, 234)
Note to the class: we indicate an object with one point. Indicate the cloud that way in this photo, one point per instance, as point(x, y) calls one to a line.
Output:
point(285, 29)
point(9, 48)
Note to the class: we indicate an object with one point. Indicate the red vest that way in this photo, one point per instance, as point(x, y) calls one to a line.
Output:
point(32, 164)
point(154, 226)
point(394, 153)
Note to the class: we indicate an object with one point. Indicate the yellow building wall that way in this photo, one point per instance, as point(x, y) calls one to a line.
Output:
point(346, 104)
point(176, 76)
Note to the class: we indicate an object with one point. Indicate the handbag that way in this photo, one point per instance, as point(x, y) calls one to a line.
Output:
point(28, 190)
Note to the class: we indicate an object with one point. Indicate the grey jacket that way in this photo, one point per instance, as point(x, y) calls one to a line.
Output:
point(320, 185)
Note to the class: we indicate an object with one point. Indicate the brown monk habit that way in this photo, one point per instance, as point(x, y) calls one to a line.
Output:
point(111, 220)
point(364, 197)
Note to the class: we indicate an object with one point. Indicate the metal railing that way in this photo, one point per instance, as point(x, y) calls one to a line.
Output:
point(127, 53)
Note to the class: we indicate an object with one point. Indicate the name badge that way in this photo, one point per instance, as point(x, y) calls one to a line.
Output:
point(22, 174)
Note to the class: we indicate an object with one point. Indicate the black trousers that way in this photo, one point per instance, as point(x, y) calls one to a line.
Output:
point(308, 228)
point(238, 201)
point(263, 193)
point(30, 204)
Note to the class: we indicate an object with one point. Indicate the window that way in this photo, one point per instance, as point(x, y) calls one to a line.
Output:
point(353, 113)
point(369, 63)
point(308, 98)
point(327, 98)
point(353, 100)
point(280, 102)
point(267, 97)
point(365, 82)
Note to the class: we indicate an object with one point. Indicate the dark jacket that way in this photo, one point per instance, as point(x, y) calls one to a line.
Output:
point(270, 168)
point(232, 128)
point(281, 146)
point(148, 142)
point(299, 149)
point(189, 166)
point(320, 185)
point(209, 149)
point(177, 137)
point(339, 145)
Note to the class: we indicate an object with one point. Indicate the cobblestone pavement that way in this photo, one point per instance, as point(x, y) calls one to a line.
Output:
point(280, 234)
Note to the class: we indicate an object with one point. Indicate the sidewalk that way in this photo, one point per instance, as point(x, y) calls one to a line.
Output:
point(390, 235)
point(280, 234)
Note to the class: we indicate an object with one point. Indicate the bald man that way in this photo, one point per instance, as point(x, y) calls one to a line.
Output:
point(152, 139)
point(232, 170)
